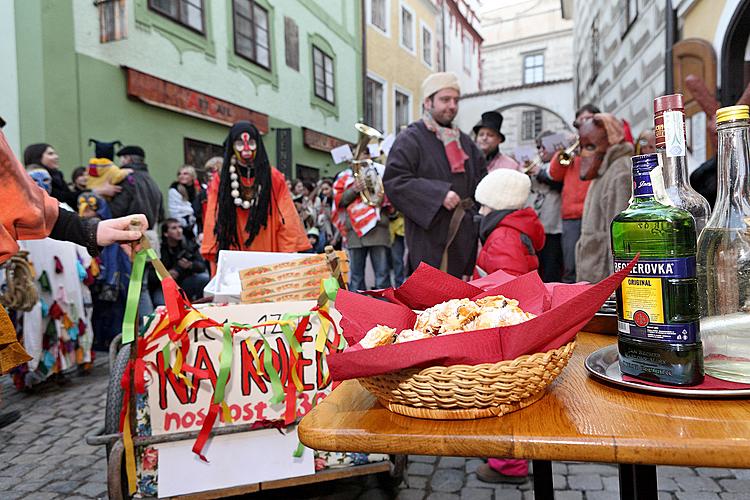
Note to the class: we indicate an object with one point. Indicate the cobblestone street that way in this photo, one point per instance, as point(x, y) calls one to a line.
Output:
point(44, 456)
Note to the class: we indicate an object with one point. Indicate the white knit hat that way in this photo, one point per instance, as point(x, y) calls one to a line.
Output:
point(504, 189)
point(439, 81)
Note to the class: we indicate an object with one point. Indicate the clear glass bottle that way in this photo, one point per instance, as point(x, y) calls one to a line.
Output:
point(724, 255)
point(669, 129)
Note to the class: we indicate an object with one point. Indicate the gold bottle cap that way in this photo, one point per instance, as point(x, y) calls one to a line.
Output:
point(732, 113)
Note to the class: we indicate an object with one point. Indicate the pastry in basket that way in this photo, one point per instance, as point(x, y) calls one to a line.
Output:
point(409, 335)
point(498, 311)
point(377, 336)
point(450, 316)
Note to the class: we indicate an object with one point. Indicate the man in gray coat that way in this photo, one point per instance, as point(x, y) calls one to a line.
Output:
point(605, 159)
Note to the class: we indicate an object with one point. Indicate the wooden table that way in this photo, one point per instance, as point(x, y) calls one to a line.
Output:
point(579, 419)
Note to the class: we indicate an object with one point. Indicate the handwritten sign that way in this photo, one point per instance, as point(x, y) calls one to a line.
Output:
point(177, 407)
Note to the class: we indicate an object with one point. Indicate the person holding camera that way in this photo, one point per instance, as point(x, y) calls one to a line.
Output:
point(183, 260)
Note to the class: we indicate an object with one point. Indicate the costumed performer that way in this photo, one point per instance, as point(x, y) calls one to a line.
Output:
point(249, 206)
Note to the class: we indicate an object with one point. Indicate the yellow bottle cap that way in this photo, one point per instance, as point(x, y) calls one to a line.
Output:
point(732, 113)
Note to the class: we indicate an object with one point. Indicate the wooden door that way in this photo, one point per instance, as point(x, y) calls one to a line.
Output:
point(695, 56)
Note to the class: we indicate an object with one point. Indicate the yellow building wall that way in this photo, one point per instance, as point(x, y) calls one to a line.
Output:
point(702, 19)
point(399, 68)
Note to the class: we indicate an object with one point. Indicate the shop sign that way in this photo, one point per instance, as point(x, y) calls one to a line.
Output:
point(168, 95)
point(320, 141)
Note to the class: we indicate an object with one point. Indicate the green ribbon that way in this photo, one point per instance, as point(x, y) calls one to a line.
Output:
point(276, 387)
point(331, 287)
point(225, 364)
point(289, 333)
point(134, 293)
point(301, 447)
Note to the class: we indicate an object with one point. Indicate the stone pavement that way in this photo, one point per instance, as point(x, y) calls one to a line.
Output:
point(44, 456)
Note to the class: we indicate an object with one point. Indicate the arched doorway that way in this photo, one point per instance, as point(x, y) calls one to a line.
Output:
point(735, 67)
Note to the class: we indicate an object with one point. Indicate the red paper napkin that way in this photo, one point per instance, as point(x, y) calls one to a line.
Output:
point(562, 311)
point(709, 384)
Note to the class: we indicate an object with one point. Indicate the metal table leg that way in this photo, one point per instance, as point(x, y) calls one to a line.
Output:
point(637, 482)
point(543, 479)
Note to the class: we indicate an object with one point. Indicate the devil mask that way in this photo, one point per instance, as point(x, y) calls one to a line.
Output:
point(245, 177)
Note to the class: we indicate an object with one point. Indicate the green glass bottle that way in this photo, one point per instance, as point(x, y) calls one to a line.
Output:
point(658, 306)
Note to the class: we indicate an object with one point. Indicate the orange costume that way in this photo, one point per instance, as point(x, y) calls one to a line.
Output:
point(283, 232)
point(27, 213)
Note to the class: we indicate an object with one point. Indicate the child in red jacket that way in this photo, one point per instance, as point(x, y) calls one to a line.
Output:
point(510, 234)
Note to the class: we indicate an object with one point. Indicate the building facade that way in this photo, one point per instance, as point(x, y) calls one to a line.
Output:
point(401, 52)
point(630, 52)
point(619, 57)
point(172, 75)
point(527, 71)
point(460, 48)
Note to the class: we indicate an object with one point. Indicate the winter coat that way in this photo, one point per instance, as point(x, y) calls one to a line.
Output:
point(574, 189)
point(139, 195)
point(608, 195)
point(510, 240)
point(417, 178)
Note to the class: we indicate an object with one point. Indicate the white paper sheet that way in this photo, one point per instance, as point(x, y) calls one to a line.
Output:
point(236, 459)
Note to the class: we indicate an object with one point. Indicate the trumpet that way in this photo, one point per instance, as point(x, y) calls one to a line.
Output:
point(566, 155)
point(530, 165)
point(374, 191)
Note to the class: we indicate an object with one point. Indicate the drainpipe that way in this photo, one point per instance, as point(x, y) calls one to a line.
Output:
point(671, 39)
point(364, 58)
point(442, 33)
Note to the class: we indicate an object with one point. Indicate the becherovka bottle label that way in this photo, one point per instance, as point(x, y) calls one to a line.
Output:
point(645, 313)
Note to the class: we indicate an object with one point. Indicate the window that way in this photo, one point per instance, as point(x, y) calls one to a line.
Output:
point(407, 29)
point(251, 37)
point(197, 153)
point(533, 68)
point(291, 43)
point(468, 46)
point(189, 13)
point(112, 23)
point(426, 46)
point(531, 124)
point(374, 104)
point(379, 14)
point(594, 49)
point(631, 14)
point(323, 72)
point(402, 111)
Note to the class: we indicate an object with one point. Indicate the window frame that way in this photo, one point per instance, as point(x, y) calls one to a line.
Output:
point(383, 105)
point(467, 60)
point(253, 4)
point(526, 56)
point(423, 27)
point(535, 112)
point(387, 14)
point(629, 22)
point(404, 7)
point(410, 103)
point(177, 20)
point(333, 75)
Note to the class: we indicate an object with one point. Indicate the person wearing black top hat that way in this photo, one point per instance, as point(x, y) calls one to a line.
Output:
point(488, 139)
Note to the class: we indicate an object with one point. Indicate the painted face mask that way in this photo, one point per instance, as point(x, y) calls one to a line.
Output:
point(42, 178)
point(245, 148)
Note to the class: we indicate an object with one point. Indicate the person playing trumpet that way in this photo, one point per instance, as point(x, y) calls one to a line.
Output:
point(573, 196)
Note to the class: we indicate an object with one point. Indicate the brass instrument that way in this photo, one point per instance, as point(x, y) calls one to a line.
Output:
point(530, 165)
point(364, 169)
point(566, 155)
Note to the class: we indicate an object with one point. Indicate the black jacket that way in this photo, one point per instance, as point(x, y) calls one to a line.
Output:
point(187, 249)
point(139, 195)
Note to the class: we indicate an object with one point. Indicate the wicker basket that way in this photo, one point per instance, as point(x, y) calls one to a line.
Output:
point(469, 391)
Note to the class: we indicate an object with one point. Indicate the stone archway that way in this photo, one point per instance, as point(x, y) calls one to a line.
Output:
point(531, 105)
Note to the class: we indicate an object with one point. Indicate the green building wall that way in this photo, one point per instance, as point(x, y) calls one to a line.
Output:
point(71, 89)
